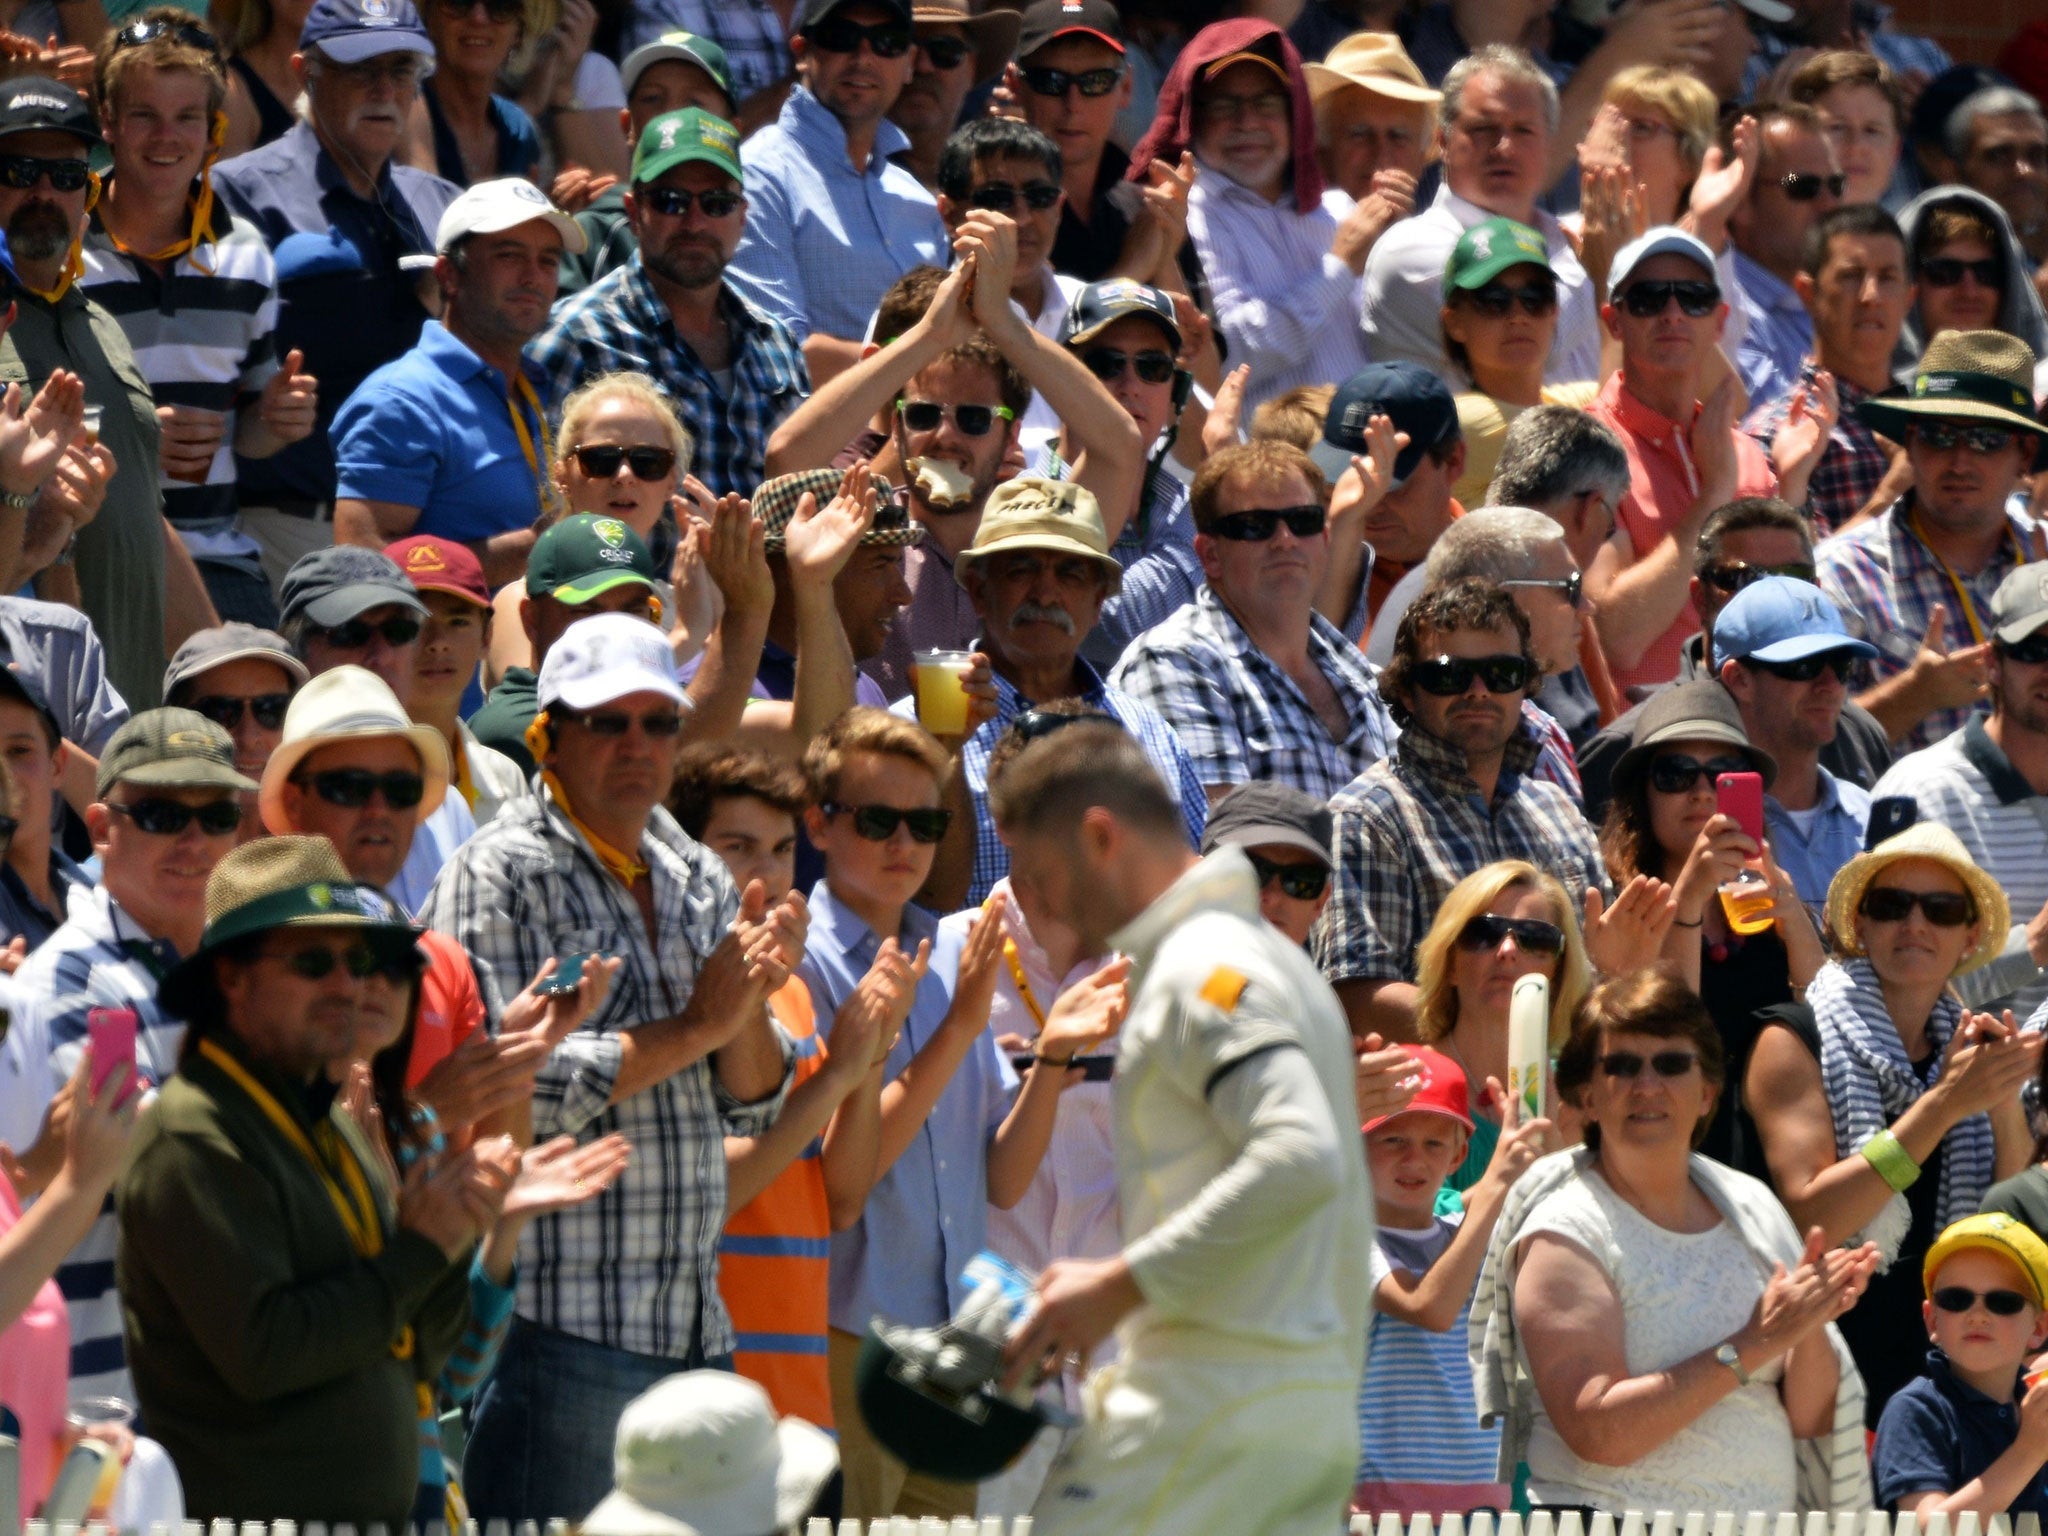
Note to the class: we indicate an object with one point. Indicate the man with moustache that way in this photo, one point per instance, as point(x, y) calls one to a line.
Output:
point(449, 439)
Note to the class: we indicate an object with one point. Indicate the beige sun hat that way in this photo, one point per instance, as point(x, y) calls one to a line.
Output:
point(1032, 512)
point(347, 704)
point(1922, 840)
point(1985, 376)
point(1376, 62)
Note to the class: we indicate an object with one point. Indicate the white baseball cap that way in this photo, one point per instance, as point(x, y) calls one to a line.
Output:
point(506, 203)
point(606, 657)
point(1665, 240)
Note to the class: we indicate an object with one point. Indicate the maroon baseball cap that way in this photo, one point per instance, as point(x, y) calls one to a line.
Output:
point(435, 564)
point(1045, 20)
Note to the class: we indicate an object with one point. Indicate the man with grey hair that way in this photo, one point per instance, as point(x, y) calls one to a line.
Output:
point(1567, 465)
point(1500, 114)
point(1998, 139)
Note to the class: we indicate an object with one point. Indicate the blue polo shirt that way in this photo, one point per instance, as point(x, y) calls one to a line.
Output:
point(434, 430)
point(1937, 1433)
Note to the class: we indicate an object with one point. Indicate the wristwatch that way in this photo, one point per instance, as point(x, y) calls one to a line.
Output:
point(1729, 1356)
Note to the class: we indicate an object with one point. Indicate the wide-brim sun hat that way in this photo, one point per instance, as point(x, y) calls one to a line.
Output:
point(1923, 840)
point(347, 704)
point(1701, 710)
point(1032, 512)
point(1985, 376)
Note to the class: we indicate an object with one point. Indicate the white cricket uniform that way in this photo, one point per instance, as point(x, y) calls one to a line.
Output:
point(1247, 1215)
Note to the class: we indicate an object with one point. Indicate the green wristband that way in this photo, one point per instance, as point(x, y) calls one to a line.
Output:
point(1894, 1164)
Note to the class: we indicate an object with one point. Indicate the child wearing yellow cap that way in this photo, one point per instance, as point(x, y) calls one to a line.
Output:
point(1971, 1434)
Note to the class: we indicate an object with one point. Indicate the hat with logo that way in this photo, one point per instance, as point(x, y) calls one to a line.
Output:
point(1985, 376)
point(2020, 605)
point(1701, 710)
point(1045, 20)
point(677, 138)
point(170, 749)
point(1098, 306)
point(1665, 240)
point(350, 31)
point(1992, 1232)
point(775, 503)
point(348, 703)
point(1489, 248)
point(606, 657)
point(216, 647)
point(1444, 1091)
point(434, 564)
point(331, 586)
point(683, 48)
point(1260, 812)
point(586, 555)
point(1418, 402)
point(37, 103)
point(1032, 512)
point(490, 207)
point(1781, 618)
point(1923, 840)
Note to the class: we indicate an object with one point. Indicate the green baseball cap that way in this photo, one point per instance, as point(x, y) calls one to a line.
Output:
point(676, 138)
point(170, 749)
point(683, 48)
point(1488, 249)
point(585, 555)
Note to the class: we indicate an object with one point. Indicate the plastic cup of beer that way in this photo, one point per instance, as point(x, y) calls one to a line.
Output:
point(941, 679)
point(86, 1413)
point(1746, 902)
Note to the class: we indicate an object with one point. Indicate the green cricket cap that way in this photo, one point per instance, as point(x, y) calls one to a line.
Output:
point(677, 138)
point(584, 555)
point(1488, 249)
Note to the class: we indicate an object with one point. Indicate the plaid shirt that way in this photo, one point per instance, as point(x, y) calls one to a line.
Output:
point(100, 958)
point(1239, 716)
point(1886, 583)
point(1851, 467)
point(619, 323)
point(1413, 826)
point(752, 35)
point(637, 1267)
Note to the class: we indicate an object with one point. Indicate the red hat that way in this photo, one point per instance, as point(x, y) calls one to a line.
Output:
point(435, 564)
point(1444, 1090)
point(2025, 59)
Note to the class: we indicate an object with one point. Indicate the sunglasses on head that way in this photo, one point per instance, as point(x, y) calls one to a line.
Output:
point(1676, 773)
point(1942, 436)
point(601, 461)
point(1109, 365)
point(1449, 676)
point(1001, 197)
point(1485, 932)
point(2032, 651)
point(835, 34)
point(1057, 82)
point(1948, 271)
point(1894, 904)
point(356, 633)
point(169, 818)
point(225, 710)
point(1960, 1298)
point(1651, 296)
point(362, 961)
point(190, 33)
point(1570, 586)
point(1303, 882)
point(1732, 575)
point(1260, 524)
point(944, 53)
point(878, 823)
point(352, 788)
point(674, 202)
point(1629, 1064)
point(23, 171)
point(1804, 186)
point(1037, 724)
point(1496, 299)
point(659, 723)
point(968, 420)
point(1807, 668)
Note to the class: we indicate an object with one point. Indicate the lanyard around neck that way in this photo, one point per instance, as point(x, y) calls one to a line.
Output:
point(1962, 593)
point(1015, 962)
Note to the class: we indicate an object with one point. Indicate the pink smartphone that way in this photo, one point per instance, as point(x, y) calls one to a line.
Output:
point(1741, 795)
point(111, 1032)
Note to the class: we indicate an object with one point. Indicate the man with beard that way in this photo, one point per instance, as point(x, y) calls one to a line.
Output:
point(450, 439)
point(733, 370)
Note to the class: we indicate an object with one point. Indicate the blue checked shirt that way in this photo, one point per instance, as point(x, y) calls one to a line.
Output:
point(619, 323)
point(825, 241)
point(100, 958)
point(1886, 583)
point(1239, 716)
point(1413, 826)
point(751, 33)
point(1851, 467)
point(636, 1268)
point(1778, 335)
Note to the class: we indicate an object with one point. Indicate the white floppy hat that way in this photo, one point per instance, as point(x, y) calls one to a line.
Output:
point(606, 657)
point(506, 203)
point(347, 704)
point(700, 1454)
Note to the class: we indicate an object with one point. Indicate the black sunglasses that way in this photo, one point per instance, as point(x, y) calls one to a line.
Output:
point(972, 420)
point(1650, 296)
point(944, 53)
point(835, 34)
point(1894, 904)
point(1037, 724)
point(1570, 586)
point(356, 633)
point(1108, 364)
point(1630, 1064)
point(659, 724)
point(2032, 651)
point(1001, 197)
point(169, 818)
point(351, 788)
point(23, 171)
point(1485, 932)
point(1496, 299)
point(1449, 676)
point(1303, 882)
point(601, 461)
point(225, 710)
point(136, 33)
point(878, 823)
point(1804, 186)
point(1960, 1298)
point(361, 961)
point(1057, 82)
point(1947, 271)
point(674, 202)
point(1733, 575)
point(1941, 436)
point(1807, 668)
point(1675, 773)
point(1260, 524)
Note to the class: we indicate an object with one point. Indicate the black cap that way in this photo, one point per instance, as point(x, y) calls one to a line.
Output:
point(1942, 95)
point(811, 12)
point(1100, 305)
point(1260, 813)
point(36, 102)
point(331, 586)
point(1045, 20)
point(1418, 402)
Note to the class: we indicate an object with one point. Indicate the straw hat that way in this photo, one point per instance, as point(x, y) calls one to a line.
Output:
point(1376, 62)
point(1985, 376)
point(1922, 840)
point(347, 704)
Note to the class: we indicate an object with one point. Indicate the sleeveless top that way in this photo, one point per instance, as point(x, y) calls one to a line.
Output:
point(273, 118)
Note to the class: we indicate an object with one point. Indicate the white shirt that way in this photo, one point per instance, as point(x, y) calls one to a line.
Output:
point(1041, 425)
point(1404, 284)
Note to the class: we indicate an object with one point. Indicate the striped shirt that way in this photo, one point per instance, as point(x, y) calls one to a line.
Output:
point(203, 335)
point(101, 958)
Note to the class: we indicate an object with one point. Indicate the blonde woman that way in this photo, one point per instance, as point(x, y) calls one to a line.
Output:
point(259, 38)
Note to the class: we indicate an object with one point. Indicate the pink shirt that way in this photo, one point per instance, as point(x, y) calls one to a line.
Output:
point(1663, 485)
point(35, 1372)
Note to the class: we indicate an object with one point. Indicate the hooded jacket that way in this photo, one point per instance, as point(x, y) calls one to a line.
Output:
point(2019, 309)
point(1172, 132)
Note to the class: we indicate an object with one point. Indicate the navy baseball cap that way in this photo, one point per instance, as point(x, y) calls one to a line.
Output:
point(1419, 403)
point(1100, 305)
point(1948, 90)
point(1782, 618)
point(350, 31)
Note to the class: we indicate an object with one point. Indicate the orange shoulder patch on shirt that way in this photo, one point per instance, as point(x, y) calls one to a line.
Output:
point(1223, 988)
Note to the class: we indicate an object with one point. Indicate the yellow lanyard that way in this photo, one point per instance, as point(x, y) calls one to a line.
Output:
point(1969, 609)
point(464, 785)
point(523, 390)
point(627, 867)
point(1024, 994)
